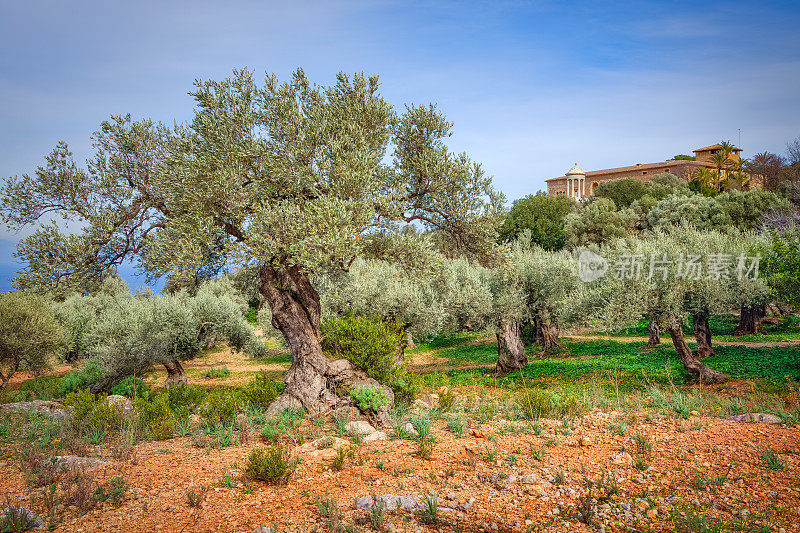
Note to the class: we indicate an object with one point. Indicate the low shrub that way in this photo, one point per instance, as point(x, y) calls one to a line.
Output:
point(183, 399)
point(369, 397)
point(95, 413)
point(42, 387)
point(288, 420)
point(447, 397)
point(406, 387)
point(273, 464)
point(217, 373)
point(261, 390)
point(535, 403)
point(131, 387)
point(81, 378)
point(222, 406)
point(155, 415)
point(366, 341)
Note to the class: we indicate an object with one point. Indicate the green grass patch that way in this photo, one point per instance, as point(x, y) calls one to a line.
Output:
point(629, 361)
point(445, 341)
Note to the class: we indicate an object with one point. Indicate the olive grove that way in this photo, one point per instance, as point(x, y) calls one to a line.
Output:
point(285, 178)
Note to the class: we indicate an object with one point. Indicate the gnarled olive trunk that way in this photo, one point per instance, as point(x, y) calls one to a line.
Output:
point(296, 313)
point(312, 381)
point(547, 333)
point(750, 320)
point(698, 372)
point(702, 332)
point(654, 338)
point(176, 375)
point(510, 349)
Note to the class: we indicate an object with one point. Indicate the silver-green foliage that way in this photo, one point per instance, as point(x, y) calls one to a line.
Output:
point(127, 334)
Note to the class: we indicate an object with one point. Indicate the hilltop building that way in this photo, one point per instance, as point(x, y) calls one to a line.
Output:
point(578, 184)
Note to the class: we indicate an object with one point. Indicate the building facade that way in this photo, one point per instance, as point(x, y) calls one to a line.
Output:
point(578, 184)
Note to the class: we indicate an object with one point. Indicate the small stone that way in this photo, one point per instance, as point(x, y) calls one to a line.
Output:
point(622, 459)
point(263, 529)
point(694, 413)
point(360, 426)
point(757, 417)
point(585, 441)
point(530, 479)
point(378, 435)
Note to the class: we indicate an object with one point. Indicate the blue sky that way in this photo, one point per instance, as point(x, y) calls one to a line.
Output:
point(532, 87)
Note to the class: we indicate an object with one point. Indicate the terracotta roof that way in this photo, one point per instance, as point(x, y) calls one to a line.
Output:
point(645, 166)
point(715, 147)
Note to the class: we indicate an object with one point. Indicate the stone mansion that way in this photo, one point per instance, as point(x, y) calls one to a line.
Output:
point(578, 184)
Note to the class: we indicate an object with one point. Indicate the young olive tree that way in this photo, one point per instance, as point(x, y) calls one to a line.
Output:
point(282, 177)
point(127, 334)
point(29, 335)
point(677, 286)
point(537, 287)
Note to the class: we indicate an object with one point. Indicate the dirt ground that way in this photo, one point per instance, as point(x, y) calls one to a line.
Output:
point(161, 473)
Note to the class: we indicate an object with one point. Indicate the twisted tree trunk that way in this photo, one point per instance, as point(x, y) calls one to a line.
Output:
point(547, 332)
point(312, 381)
point(510, 348)
point(653, 332)
point(750, 320)
point(698, 372)
point(702, 332)
point(176, 375)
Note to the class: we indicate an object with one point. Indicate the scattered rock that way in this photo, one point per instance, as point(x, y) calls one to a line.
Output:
point(122, 403)
point(34, 521)
point(377, 435)
point(757, 417)
point(694, 413)
point(391, 502)
point(263, 529)
point(47, 408)
point(622, 459)
point(64, 463)
point(530, 479)
point(360, 426)
point(585, 441)
point(409, 429)
point(323, 443)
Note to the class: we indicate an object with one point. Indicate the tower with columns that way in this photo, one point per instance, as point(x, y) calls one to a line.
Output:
point(576, 182)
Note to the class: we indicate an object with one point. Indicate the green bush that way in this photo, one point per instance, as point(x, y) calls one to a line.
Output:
point(81, 378)
point(535, 403)
point(93, 413)
point(131, 387)
point(183, 399)
point(406, 387)
point(273, 465)
point(222, 406)
point(217, 373)
point(42, 387)
point(368, 342)
point(369, 397)
point(261, 390)
point(156, 415)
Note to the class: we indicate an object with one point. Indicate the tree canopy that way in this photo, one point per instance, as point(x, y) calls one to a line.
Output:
point(286, 177)
point(542, 215)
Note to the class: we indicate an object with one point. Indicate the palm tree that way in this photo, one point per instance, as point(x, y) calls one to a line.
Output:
point(722, 161)
point(706, 178)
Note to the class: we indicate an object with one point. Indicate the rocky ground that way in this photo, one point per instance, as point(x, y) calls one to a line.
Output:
point(605, 471)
